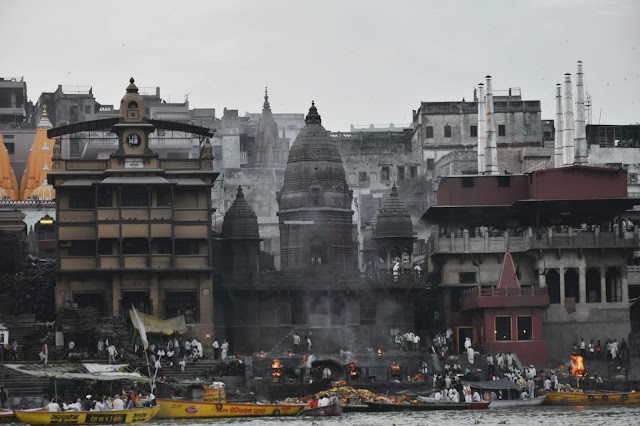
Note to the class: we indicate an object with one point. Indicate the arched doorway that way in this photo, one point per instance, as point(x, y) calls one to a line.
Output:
point(614, 285)
point(553, 285)
point(572, 284)
point(593, 286)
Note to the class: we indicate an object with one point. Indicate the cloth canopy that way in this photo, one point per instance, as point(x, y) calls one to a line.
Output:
point(99, 372)
point(158, 325)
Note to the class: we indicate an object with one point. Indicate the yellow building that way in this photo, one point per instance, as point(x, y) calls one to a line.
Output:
point(135, 229)
point(34, 184)
point(8, 183)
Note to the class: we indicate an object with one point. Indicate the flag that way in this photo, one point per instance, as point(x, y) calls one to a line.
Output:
point(139, 325)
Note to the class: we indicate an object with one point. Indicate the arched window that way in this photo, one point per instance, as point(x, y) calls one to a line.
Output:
point(572, 284)
point(593, 286)
point(132, 105)
point(317, 252)
point(553, 285)
point(447, 131)
point(429, 132)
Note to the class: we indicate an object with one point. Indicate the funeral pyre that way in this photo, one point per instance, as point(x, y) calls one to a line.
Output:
point(349, 395)
point(276, 371)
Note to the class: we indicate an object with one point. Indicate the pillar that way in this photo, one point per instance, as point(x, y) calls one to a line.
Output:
point(116, 291)
point(603, 284)
point(542, 278)
point(154, 294)
point(625, 284)
point(561, 273)
point(582, 283)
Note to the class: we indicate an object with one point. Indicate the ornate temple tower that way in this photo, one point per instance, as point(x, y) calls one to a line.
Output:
point(241, 240)
point(316, 229)
point(393, 234)
point(269, 150)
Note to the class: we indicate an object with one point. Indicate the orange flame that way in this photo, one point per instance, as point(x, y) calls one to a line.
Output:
point(276, 363)
point(379, 352)
point(395, 368)
point(352, 367)
point(577, 365)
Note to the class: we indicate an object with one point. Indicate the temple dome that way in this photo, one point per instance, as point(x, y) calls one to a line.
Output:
point(393, 219)
point(8, 181)
point(40, 157)
point(240, 221)
point(44, 192)
point(314, 176)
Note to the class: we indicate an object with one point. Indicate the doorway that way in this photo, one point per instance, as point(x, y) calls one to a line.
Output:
point(463, 332)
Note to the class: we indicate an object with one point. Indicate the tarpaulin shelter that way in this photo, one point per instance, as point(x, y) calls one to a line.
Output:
point(98, 372)
point(158, 325)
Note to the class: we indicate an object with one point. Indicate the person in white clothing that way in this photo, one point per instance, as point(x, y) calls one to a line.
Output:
point(324, 401)
point(225, 349)
point(53, 406)
point(476, 397)
point(216, 348)
point(118, 403)
point(76, 406)
point(112, 351)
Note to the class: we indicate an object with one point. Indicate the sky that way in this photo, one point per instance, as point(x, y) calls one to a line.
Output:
point(362, 62)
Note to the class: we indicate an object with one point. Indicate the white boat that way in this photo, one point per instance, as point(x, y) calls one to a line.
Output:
point(508, 403)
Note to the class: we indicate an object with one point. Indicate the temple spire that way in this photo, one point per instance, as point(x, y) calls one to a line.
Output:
point(266, 100)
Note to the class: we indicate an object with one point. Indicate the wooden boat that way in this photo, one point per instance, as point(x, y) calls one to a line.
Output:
point(7, 416)
point(592, 398)
point(135, 415)
point(179, 409)
point(428, 406)
point(508, 403)
point(329, 410)
point(356, 408)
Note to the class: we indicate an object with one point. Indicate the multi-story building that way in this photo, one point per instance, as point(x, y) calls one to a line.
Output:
point(442, 127)
point(563, 229)
point(135, 229)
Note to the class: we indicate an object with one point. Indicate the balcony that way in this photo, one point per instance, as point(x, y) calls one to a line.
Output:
point(191, 215)
point(492, 297)
point(542, 238)
point(190, 232)
point(192, 262)
point(76, 232)
point(139, 230)
point(109, 262)
point(135, 261)
point(135, 213)
point(161, 261)
point(76, 216)
point(77, 263)
point(108, 231)
point(161, 213)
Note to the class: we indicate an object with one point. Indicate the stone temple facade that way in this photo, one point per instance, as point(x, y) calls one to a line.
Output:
point(319, 291)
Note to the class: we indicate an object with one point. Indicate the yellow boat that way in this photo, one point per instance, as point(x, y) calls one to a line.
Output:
point(177, 409)
point(592, 398)
point(135, 415)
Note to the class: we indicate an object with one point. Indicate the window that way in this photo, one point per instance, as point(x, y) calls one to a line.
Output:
point(161, 246)
point(430, 163)
point(185, 247)
point(217, 152)
point(164, 197)
point(105, 246)
point(385, 175)
point(547, 135)
point(87, 109)
point(132, 105)
point(81, 199)
point(362, 176)
point(367, 312)
point(429, 132)
point(73, 115)
point(467, 277)
point(474, 131)
point(83, 248)
point(135, 196)
point(504, 181)
point(413, 171)
point(135, 246)
point(467, 183)
point(455, 299)
point(525, 328)
point(11, 147)
point(400, 172)
point(105, 196)
point(447, 131)
point(502, 130)
point(503, 328)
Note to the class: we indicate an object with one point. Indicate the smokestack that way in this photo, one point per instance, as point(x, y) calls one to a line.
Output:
point(492, 143)
point(581, 130)
point(558, 123)
point(482, 128)
point(567, 128)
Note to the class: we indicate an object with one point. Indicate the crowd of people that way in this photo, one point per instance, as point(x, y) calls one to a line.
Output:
point(611, 351)
point(128, 400)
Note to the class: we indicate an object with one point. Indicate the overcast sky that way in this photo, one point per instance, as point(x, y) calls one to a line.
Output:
point(361, 61)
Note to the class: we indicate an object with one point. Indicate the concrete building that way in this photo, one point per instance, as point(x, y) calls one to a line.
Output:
point(135, 229)
point(563, 228)
point(442, 127)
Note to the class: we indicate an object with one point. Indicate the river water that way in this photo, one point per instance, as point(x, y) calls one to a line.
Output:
point(591, 416)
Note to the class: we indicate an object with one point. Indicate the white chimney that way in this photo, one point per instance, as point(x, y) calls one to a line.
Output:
point(567, 128)
point(558, 124)
point(581, 129)
point(492, 143)
point(482, 128)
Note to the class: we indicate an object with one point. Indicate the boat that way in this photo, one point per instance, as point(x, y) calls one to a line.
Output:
point(592, 398)
point(181, 409)
point(428, 406)
point(356, 408)
point(508, 403)
point(329, 410)
point(135, 415)
point(7, 416)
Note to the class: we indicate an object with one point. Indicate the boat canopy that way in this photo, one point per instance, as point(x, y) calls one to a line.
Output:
point(501, 384)
point(99, 372)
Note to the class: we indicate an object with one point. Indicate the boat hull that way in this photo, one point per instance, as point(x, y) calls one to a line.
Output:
point(592, 398)
point(7, 416)
point(331, 410)
point(175, 409)
point(136, 415)
point(505, 403)
point(382, 407)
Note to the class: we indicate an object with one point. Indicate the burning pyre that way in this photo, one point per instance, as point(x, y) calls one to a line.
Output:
point(379, 352)
point(395, 370)
point(577, 366)
point(353, 370)
point(262, 354)
point(276, 371)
